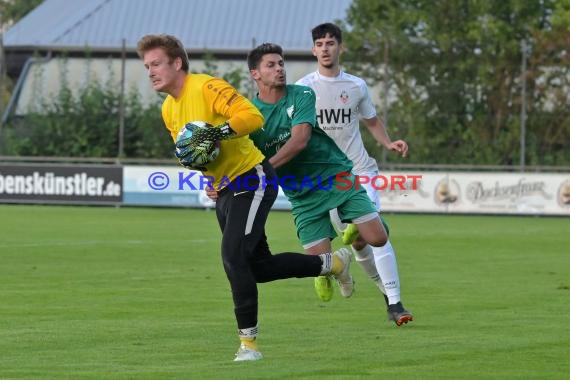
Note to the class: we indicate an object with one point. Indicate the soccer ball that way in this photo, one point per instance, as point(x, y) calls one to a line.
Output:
point(187, 153)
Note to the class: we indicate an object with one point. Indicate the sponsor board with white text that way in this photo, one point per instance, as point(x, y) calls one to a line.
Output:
point(50, 183)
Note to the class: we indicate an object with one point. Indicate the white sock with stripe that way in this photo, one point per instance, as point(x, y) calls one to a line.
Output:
point(327, 262)
point(387, 267)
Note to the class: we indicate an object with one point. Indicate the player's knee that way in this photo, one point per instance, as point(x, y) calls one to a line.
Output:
point(359, 243)
point(233, 265)
point(379, 239)
point(378, 242)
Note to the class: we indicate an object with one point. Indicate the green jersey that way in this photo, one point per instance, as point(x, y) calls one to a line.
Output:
point(315, 167)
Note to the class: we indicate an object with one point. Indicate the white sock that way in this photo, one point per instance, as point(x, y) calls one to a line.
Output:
point(388, 269)
point(249, 333)
point(365, 258)
point(327, 260)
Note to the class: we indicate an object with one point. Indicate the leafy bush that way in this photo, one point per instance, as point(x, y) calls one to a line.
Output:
point(85, 123)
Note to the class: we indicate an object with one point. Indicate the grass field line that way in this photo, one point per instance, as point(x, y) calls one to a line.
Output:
point(85, 243)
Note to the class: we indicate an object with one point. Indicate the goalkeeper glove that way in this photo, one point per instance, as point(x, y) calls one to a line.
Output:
point(194, 145)
point(213, 134)
point(192, 149)
point(189, 154)
point(188, 161)
point(191, 139)
point(191, 166)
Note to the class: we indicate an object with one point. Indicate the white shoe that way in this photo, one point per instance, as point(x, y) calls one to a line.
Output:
point(247, 354)
point(344, 279)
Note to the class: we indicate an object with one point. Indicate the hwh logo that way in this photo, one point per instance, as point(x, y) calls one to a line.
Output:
point(339, 115)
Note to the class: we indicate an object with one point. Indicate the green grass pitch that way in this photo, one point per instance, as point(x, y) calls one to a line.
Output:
point(136, 293)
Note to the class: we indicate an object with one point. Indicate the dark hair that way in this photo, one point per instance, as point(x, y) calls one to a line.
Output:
point(321, 31)
point(256, 54)
point(170, 44)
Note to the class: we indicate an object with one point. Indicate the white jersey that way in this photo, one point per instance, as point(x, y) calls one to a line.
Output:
point(341, 102)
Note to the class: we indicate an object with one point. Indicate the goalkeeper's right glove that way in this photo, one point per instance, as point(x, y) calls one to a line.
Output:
point(188, 162)
point(187, 157)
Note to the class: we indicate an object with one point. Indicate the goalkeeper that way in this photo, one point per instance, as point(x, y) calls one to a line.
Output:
point(241, 214)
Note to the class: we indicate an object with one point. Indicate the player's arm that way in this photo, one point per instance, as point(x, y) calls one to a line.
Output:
point(375, 126)
point(300, 136)
point(303, 120)
point(378, 131)
point(242, 116)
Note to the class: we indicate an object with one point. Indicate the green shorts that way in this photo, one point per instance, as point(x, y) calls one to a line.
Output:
point(311, 211)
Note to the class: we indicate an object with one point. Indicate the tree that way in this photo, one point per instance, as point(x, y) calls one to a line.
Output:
point(13, 10)
point(237, 77)
point(453, 69)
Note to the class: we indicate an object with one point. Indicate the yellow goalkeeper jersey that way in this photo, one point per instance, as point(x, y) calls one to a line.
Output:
point(213, 100)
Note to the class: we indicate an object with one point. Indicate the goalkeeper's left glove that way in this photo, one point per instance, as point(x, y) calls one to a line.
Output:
point(213, 134)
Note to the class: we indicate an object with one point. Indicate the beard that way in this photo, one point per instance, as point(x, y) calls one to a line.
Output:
point(279, 83)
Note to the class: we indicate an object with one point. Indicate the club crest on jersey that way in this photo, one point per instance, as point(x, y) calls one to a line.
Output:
point(290, 111)
point(344, 97)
